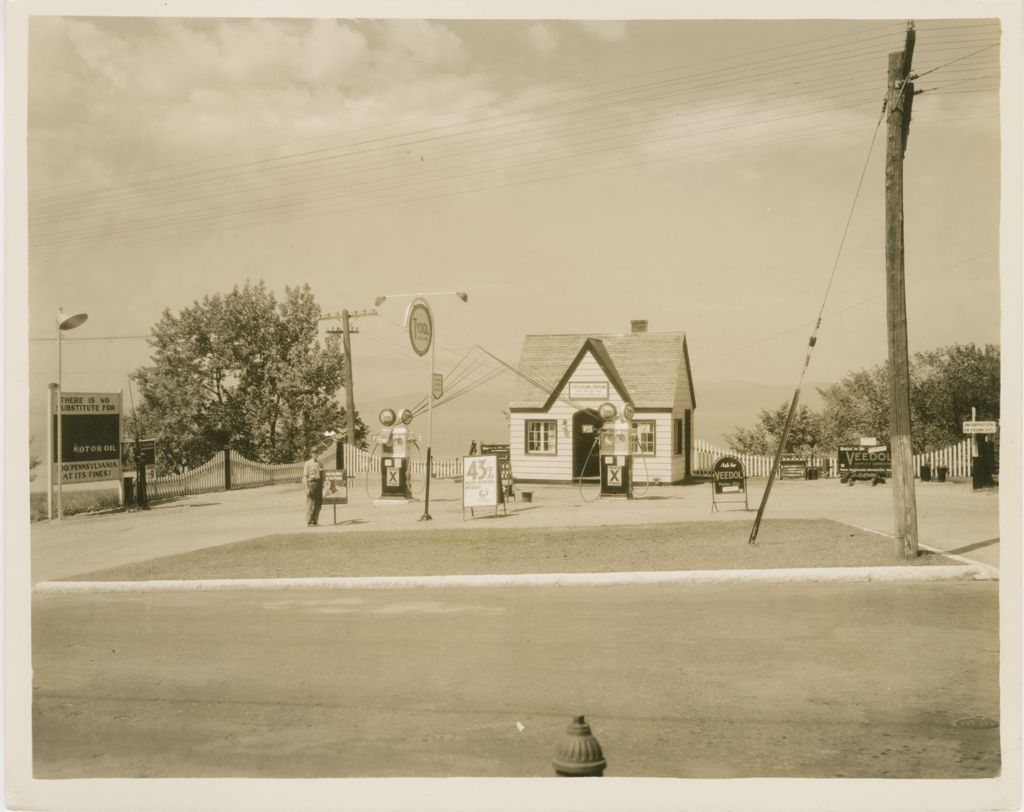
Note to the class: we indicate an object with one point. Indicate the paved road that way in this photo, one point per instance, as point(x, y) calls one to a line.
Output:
point(814, 680)
point(951, 517)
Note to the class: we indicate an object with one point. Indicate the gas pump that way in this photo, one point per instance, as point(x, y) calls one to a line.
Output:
point(616, 443)
point(394, 458)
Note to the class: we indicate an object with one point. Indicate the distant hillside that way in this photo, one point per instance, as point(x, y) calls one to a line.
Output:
point(721, 407)
point(477, 415)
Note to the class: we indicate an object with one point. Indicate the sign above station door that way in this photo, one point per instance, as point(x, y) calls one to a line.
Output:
point(597, 390)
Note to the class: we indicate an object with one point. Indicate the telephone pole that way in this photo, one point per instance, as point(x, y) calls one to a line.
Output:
point(899, 101)
point(346, 344)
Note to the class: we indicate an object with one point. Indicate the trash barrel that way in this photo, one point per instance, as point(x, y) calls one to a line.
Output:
point(812, 473)
point(942, 471)
point(527, 495)
point(926, 473)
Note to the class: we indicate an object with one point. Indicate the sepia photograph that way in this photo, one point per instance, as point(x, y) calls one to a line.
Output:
point(419, 406)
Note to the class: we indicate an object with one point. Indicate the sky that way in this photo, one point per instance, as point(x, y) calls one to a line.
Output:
point(568, 175)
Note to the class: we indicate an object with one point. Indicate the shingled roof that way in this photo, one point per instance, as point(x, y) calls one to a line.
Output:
point(646, 365)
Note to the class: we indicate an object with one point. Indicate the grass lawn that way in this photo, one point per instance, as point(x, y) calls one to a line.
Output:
point(72, 502)
point(483, 549)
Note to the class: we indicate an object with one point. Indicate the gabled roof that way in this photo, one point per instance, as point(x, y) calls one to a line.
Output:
point(643, 367)
point(595, 347)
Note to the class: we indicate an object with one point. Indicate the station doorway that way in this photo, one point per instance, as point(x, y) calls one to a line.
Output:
point(586, 455)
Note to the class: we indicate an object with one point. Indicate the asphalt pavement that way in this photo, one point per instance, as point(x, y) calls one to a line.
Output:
point(709, 681)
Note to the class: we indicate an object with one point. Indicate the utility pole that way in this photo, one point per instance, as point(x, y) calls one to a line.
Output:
point(899, 101)
point(346, 344)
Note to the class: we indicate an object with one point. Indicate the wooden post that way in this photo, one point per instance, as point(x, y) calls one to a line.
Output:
point(898, 107)
point(775, 468)
point(350, 398)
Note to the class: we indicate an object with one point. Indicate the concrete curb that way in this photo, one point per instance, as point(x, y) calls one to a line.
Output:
point(988, 570)
point(769, 576)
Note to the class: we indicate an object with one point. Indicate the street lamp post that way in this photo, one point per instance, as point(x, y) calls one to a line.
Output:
point(64, 323)
point(417, 335)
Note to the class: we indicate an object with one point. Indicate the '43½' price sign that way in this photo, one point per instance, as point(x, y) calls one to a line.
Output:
point(480, 481)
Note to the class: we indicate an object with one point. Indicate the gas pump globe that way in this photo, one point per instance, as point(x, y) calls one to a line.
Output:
point(617, 443)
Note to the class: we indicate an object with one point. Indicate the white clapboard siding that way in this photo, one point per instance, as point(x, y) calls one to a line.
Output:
point(557, 466)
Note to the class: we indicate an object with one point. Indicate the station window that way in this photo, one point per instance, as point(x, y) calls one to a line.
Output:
point(541, 437)
point(677, 436)
point(644, 437)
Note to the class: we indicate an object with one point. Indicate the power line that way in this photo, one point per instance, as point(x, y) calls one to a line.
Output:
point(92, 338)
point(69, 237)
point(702, 85)
point(800, 59)
point(234, 155)
point(853, 306)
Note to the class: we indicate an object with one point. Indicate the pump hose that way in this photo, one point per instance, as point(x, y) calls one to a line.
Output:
point(423, 479)
point(584, 468)
point(647, 473)
point(368, 470)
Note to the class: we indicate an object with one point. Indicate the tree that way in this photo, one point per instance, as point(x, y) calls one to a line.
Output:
point(944, 384)
point(857, 406)
point(241, 370)
point(804, 435)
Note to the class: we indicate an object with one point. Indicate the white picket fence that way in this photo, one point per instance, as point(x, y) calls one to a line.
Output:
point(360, 461)
point(245, 473)
point(955, 458)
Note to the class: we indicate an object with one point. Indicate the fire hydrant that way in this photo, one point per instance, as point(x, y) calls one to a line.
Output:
point(579, 755)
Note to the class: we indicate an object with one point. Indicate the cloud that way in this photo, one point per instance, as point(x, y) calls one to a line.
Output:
point(419, 45)
point(605, 31)
point(542, 38)
point(110, 95)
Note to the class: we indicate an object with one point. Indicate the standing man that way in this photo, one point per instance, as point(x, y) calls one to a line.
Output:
point(313, 479)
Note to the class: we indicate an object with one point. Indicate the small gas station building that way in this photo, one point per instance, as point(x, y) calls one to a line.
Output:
point(564, 378)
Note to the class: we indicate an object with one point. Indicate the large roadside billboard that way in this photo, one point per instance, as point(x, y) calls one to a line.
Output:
point(90, 436)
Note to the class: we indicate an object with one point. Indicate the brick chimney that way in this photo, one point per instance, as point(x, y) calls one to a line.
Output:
point(638, 326)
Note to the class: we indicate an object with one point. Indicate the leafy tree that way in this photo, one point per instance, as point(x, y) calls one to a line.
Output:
point(805, 435)
point(241, 370)
point(857, 406)
point(944, 385)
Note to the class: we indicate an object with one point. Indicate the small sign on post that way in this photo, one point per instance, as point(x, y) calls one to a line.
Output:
point(981, 427)
point(481, 484)
point(437, 385)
